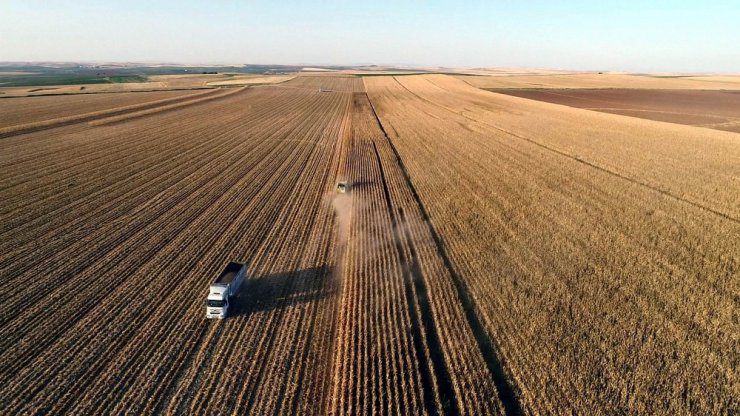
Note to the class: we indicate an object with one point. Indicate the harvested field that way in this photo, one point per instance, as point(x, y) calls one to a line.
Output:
point(29, 110)
point(83, 89)
point(495, 255)
point(187, 80)
point(154, 83)
point(251, 80)
point(117, 113)
point(713, 109)
point(327, 83)
point(129, 222)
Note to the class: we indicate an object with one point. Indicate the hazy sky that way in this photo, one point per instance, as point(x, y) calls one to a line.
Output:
point(676, 36)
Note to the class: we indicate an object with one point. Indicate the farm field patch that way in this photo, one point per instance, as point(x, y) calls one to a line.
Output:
point(706, 108)
point(27, 110)
point(250, 80)
point(605, 80)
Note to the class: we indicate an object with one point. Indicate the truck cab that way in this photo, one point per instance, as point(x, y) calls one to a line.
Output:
point(224, 290)
point(218, 306)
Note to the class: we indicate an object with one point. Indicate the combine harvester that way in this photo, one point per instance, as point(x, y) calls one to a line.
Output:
point(224, 289)
point(342, 187)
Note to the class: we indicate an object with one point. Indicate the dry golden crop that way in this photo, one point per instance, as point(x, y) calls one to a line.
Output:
point(601, 251)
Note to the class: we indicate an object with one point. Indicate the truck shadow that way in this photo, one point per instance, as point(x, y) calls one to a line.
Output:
point(281, 290)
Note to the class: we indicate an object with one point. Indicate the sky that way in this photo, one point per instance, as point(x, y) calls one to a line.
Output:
point(633, 36)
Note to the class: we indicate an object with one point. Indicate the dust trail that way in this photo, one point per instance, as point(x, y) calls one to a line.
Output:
point(342, 205)
point(507, 390)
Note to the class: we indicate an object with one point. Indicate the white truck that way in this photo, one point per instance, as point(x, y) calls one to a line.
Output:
point(224, 289)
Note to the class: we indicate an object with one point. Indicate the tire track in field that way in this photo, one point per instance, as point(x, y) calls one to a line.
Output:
point(506, 390)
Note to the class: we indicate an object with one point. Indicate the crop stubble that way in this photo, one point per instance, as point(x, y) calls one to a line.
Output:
point(208, 192)
point(467, 271)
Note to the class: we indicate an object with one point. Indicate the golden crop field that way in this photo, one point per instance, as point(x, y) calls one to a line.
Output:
point(602, 251)
point(494, 255)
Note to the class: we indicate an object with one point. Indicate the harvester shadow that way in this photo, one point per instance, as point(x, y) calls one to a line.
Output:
point(281, 290)
point(357, 185)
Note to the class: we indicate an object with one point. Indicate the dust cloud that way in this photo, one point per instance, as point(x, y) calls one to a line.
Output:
point(342, 205)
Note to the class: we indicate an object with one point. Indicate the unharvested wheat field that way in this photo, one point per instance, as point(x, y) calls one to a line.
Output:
point(495, 255)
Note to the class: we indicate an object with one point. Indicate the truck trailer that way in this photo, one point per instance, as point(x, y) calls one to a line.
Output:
point(224, 289)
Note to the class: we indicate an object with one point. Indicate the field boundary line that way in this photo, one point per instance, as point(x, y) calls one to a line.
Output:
point(580, 160)
point(506, 390)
